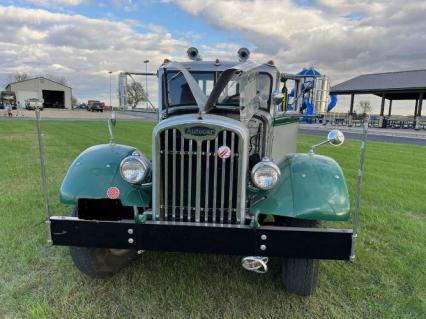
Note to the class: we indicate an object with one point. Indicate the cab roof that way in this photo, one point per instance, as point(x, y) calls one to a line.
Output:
point(212, 66)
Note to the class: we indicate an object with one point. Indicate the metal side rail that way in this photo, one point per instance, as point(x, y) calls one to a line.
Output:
point(240, 240)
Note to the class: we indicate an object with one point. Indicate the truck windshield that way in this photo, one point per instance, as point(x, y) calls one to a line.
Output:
point(178, 92)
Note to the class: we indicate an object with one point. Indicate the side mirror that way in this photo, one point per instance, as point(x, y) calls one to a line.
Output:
point(336, 137)
point(114, 118)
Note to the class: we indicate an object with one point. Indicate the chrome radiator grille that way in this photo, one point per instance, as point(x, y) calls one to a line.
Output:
point(195, 184)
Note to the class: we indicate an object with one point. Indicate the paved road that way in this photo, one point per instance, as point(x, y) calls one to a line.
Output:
point(375, 137)
point(63, 114)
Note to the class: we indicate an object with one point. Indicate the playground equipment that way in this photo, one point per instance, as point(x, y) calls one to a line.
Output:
point(122, 88)
point(309, 96)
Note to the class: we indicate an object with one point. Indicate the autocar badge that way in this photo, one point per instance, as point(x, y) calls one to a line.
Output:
point(224, 152)
point(113, 192)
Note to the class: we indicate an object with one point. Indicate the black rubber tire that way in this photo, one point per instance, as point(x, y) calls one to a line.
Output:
point(100, 262)
point(300, 275)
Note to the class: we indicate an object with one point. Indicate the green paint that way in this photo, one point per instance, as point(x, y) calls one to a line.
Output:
point(285, 120)
point(95, 170)
point(311, 187)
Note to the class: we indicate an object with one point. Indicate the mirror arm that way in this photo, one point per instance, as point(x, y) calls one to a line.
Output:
point(111, 137)
point(311, 150)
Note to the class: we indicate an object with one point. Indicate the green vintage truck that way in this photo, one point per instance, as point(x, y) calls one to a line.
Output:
point(224, 178)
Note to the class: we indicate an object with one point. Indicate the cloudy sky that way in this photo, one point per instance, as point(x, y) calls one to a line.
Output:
point(82, 40)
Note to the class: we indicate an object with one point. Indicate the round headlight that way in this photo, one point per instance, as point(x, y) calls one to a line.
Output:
point(134, 169)
point(265, 174)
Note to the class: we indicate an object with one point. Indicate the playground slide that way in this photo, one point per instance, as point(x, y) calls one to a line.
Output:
point(309, 111)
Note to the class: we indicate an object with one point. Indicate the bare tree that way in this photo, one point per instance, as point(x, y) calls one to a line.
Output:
point(57, 78)
point(364, 108)
point(18, 76)
point(135, 94)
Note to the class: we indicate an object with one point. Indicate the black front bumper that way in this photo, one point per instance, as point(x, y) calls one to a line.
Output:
point(204, 238)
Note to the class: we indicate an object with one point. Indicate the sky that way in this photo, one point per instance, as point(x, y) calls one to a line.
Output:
point(82, 40)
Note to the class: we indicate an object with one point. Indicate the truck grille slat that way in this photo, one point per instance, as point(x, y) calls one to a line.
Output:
point(231, 175)
point(206, 200)
point(174, 175)
point(216, 144)
point(198, 184)
point(189, 206)
point(166, 174)
point(192, 166)
point(182, 149)
point(222, 181)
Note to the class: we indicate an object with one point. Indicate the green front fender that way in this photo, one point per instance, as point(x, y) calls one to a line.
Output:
point(95, 170)
point(311, 187)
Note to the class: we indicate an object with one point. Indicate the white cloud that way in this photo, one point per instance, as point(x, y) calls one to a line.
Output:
point(55, 3)
point(342, 38)
point(80, 48)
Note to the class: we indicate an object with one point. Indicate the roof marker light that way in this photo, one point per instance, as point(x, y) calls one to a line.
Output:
point(217, 62)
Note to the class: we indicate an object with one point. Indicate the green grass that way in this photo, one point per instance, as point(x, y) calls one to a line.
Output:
point(387, 280)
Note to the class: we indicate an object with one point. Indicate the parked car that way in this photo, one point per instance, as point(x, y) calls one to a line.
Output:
point(33, 103)
point(224, 178)
point(81, 106)
point(95, 107)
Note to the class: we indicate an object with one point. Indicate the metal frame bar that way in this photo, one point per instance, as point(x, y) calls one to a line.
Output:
point(355, 217)
point(43, 174)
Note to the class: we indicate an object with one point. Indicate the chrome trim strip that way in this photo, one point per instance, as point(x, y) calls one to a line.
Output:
point(198, 184)
point(206, 208)
point(182, 144)
point(216, 145)
point(222, 183)
point(174, 176)
point(231, 177)
point(189, 206)
point(166, 173)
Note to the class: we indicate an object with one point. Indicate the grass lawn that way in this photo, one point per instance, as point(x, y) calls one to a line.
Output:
point(388, 279)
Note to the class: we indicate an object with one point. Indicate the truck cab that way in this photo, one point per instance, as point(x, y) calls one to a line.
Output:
point(224, 178)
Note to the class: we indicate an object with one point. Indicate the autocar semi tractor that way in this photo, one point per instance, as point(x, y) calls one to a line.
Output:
point(224, 178)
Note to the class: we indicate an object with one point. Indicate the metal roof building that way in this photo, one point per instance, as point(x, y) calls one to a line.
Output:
point(52, 93)
point(403, 85)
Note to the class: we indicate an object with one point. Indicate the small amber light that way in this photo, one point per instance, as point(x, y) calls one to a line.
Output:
point(166, 61)
point(217, 62)
point(270, 62)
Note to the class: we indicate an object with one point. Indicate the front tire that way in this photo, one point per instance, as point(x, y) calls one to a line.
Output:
point(100, 262)
point(300, 275)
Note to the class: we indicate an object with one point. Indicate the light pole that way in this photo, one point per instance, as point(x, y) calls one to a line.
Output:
point(110, 93)
point(146, 81)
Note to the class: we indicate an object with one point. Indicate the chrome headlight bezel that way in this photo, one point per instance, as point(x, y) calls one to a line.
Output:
point(265, 164)
point(137, 158)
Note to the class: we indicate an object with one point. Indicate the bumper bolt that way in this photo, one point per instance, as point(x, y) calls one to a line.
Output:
point(131, 241)
point(130, 231)
point(263, 237)
point(262, 247)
